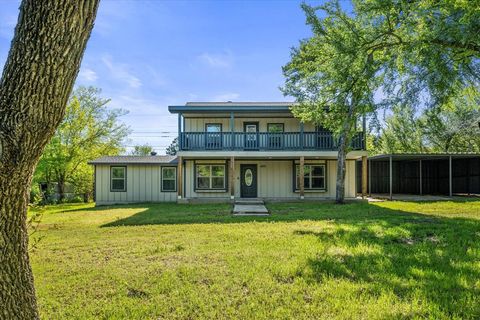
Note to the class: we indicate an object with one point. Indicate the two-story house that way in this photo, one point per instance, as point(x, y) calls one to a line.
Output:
point(233, 150)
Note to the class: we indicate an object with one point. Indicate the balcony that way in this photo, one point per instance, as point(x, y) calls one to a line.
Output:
point(264, 141)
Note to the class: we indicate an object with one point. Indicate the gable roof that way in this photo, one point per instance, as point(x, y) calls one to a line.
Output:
point(230, 106)
point(171, 160)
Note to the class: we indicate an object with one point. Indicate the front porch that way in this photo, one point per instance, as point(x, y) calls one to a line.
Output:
point(271, 179)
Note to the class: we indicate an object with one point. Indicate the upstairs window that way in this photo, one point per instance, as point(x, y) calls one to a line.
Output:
point(213, 127)
point(210, 177)
point(118, 179)
point(275, 127)
point(213, 136)
point(169, 179)
point(275, 136)
point(314, 177)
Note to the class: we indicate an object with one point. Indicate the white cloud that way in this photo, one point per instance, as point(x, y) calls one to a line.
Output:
point(222, 60)
point(229, 96)
point(88, 75)
point(121, 72)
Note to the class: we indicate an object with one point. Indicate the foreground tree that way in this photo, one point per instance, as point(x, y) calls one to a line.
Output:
point(37, 79)
point(89, 130)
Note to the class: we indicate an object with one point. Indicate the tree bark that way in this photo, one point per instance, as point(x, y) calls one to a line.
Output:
point(37, 78)
point(343, 148)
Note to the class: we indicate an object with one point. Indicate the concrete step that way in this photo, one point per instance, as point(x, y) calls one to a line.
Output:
point(250, 209)
point(249, 201)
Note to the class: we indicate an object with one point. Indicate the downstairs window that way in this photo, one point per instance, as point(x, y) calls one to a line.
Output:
point(210, 177)
point(314, 177)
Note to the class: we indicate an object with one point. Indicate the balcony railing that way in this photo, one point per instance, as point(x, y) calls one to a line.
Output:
point(260, 141)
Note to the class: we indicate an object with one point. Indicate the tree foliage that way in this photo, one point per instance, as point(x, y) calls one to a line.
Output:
point(172, 149)
point(451, 127)
point(142, 150)
point(89, 130)
point(415, 53)
point(333, 75)
point(401, 133)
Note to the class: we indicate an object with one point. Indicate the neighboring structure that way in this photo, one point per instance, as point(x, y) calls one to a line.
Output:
point(423, 174)
point(234, 150)
point(128, 179)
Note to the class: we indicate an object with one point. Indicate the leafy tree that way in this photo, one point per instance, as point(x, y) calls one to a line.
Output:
point(89, 129)
point(38, 76)
point(417, 52)
point(431, 47)
point(333, 76)
point(142, 150)
point(454, 126)
point(401, 133)
point(450, 127)
point(172, 149)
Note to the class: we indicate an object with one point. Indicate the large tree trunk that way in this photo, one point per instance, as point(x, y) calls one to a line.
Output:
point(38, 76)
point(343, 148)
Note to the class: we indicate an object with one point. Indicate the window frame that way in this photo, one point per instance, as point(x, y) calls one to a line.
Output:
point(124, 179)
point(297, 169)
point(225, 177)
point(276, 123)
point(213, 124)
point(174, 179)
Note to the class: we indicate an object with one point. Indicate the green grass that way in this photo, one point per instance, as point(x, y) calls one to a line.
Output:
point(307, 261)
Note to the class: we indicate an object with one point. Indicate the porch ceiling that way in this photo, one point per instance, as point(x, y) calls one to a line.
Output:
point(269, 155)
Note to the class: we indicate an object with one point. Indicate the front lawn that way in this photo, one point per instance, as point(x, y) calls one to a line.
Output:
point(307, 261)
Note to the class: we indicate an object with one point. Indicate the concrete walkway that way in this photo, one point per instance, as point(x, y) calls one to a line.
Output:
point(250, 208)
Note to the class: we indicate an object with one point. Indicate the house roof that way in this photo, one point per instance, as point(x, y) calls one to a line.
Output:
point(171, 160)
point(423, 156)
point(229, 106)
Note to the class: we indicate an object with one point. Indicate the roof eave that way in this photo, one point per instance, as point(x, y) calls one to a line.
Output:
point(232, 108)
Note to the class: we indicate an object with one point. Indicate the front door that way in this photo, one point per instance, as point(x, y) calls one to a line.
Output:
point(251, 135)
point(248, 180)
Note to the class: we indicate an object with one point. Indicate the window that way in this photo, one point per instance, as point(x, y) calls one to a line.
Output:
point(213, 136)
point(275, 127)
point(213, 127)
point(314, 177)
point(118, 178)
point(169, 179)
point(211, 176)
point(275, 136)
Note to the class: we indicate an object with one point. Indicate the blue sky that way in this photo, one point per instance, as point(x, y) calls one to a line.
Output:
point(146, 55)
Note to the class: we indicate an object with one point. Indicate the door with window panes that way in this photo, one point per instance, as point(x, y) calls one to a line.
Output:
point(251, 135)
